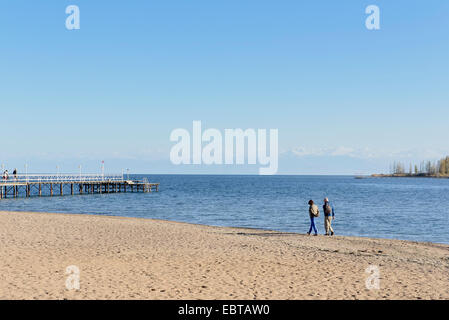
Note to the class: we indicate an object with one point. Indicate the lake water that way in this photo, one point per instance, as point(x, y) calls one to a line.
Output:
point(399, 208)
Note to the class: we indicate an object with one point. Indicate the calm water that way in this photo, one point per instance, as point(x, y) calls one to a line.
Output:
point(400, 208)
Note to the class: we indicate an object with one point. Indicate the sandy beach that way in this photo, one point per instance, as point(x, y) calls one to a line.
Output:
point(128, 258)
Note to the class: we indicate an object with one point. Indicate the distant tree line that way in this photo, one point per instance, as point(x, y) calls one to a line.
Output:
point(425, 168)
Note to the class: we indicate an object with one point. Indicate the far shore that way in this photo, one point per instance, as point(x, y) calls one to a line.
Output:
point(408, 175)
point(132, 258)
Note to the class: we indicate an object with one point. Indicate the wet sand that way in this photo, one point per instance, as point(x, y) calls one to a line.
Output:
point(129, 258)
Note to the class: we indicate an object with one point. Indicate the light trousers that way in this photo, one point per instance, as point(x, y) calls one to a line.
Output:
point(327, 224)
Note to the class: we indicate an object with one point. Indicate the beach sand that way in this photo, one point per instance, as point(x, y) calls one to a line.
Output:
point(128, 258)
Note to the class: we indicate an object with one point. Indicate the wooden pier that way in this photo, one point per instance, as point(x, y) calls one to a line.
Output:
point(59, 185)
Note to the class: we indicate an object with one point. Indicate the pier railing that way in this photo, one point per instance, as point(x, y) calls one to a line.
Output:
point(67, 178)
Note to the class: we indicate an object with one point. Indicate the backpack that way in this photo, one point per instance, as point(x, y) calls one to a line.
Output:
point(327, 209)
point(316, 213)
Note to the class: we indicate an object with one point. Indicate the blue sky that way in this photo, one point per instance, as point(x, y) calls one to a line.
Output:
point(344, 99)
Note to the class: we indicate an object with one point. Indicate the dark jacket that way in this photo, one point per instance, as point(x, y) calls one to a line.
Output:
point(324, 207)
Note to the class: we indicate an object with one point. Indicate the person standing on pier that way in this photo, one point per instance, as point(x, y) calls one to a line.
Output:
point(14, 173)
point(5, 175)
point(329, 215)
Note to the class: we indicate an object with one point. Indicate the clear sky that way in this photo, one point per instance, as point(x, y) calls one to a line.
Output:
point(344, 99)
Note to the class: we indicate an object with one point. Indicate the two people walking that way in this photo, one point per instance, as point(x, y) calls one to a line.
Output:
point(6, 175)
point(329, 215)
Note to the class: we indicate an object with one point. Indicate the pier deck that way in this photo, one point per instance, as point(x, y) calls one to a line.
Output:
point(58, 185)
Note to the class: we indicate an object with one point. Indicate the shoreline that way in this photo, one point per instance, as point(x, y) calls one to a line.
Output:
point(406, 175)
point(218, 226)
point(139, 258)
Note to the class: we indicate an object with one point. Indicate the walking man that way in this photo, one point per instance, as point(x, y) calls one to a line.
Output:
point(313, 213)
point(329, 215)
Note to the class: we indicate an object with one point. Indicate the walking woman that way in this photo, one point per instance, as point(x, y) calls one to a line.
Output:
point(313, 213)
